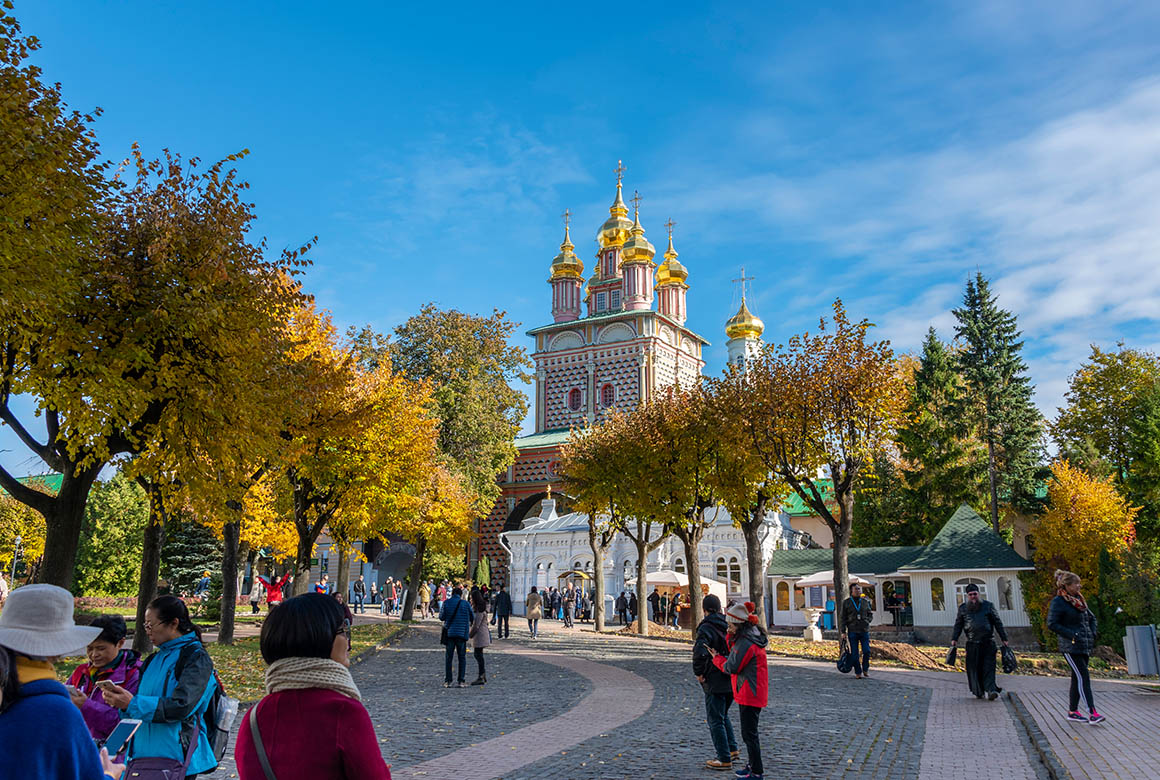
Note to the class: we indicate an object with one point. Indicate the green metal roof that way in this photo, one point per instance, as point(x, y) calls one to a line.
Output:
point(48, 482)
point(795, 507)
point(968, 541)
point(861, 560)
point(550, 438)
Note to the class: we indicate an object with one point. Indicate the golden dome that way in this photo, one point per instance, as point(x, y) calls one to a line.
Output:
point(671, 271)
point(744, 324)
point(616, 230)
point(637, 249)
point(567, 265)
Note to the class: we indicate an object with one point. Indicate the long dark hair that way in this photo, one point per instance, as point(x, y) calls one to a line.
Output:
point(8, 682)
point(171, 608)
point(478, 602)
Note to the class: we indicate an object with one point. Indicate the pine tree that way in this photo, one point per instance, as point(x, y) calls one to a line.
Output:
point(190, 549)
point(999, 394)
point(942, 462)
point(109, 556)
point(1143, 481)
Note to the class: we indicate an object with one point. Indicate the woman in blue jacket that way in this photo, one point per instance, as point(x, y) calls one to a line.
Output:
point(177, 684)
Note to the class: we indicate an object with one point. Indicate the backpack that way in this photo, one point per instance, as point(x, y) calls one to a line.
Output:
point(222, 710)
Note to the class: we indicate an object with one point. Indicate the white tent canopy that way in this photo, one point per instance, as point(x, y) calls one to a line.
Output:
point(675, 579)
point(827, 578)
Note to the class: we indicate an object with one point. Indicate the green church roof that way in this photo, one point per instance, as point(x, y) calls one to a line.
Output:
point(968, 541)
point(50, 483)
point(546, 439)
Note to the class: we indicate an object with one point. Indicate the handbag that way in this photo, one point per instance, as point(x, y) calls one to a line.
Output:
point(952, 655)
point(256, 735)
point(164, 768)
point(1010, 662)
point(845, 661)
point(455, 614)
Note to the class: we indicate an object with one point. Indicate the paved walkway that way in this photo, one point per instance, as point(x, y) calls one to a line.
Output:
point(575, 706)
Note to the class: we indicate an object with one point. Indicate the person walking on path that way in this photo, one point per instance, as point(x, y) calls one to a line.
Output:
point(1068, 617)
point(857, 615)
point(980, 620)
point(664, 604)
point(177, 684)
point(359, 590)
point(534, 611)
point(711, 633)
point(480, 634)
point(632, 607)
point(621, 606)
point(255, 596)
point(501, 615)
point(424, 599)
point(569, 606)
point(675, 609)
point(42, 735)
point(311, 723)
point(108, 660)
point(749, 674)
point(457, 616)
point(654, 601)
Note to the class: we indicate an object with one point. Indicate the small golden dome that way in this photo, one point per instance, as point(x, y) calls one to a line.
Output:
point(671, 271)
point(616, 230)
point(744, 324)
point(567, 265)
point(637, 249)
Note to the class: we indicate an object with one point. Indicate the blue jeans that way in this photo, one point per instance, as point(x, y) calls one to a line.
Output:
point(860, 639)
point(455, 645)
point(720, 727)
point(359, 600)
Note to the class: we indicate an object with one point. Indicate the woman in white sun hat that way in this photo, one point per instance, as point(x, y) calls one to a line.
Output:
point(41, 733)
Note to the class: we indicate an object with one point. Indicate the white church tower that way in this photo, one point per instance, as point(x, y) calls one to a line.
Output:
point(744, 330)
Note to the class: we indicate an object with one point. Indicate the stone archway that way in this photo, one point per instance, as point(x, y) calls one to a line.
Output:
point(515, 520)
point(394, 561)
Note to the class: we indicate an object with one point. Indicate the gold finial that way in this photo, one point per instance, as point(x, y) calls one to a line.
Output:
point(636, 199)
point(567, 217)
point(549, 492)
point(670, 225)
point(743, 280)
point(619, 171)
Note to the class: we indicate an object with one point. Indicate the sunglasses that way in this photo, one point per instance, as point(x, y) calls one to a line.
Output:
point(344, 629)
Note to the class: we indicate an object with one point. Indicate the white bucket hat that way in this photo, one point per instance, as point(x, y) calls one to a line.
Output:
point(38, 621)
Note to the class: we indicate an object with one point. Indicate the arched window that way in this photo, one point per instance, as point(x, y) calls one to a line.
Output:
point(679, 565)
point(607, 395)
point(575, 399)
point(628, 570)
point(783, 596)
point(1006, 593)
point(729, 571)
point(961, 589)
point(937, 597)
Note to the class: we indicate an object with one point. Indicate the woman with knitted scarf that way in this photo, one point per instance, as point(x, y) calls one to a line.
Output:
point(1069, 617)
point(311, 725)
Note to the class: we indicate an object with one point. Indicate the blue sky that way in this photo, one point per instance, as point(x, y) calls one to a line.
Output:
point(880, 152)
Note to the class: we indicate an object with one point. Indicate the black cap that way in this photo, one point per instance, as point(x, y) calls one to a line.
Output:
point(972, 588)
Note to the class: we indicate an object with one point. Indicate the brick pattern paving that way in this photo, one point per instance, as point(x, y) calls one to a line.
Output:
point(1123, 747)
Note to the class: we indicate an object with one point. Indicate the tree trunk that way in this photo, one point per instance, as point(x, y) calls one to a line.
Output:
point(231, 532)
point(691, 537)
point(302, 563)
point(994, 478)
point(841, 554)
point(150, 565)
point(641, 585)
point(63, 526)
point(252, 561)
point(342, 581)
point(751, 530)
point(597, 574)
point(416, 574)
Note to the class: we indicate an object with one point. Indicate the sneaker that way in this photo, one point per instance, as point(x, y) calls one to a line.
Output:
point(1096, 718)
point(743, 771)
point(447, 684)
point(1077, 717)
point(461, 684)
point(714, 763)
point(749, 775)
point(735, 754)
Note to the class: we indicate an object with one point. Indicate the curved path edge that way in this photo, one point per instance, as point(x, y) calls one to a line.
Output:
point(618, 697)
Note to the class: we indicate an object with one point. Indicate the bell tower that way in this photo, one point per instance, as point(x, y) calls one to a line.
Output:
point(567, 278)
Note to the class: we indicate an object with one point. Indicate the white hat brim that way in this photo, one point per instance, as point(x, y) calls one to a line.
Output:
point(44, 644)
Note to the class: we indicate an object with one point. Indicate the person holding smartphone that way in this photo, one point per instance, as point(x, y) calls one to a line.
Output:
point(109, 662)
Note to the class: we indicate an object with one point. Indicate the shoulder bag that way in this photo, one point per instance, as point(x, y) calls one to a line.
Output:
point(164, 768)
point(256, 735)
point(455, 614)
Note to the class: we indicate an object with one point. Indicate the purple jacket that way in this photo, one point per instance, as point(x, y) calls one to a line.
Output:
point(100, 717)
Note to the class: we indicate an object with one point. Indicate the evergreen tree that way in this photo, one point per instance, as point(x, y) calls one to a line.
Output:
point(943, 464)
point(1143, 482)
point(999, 394)
point(189, 550)
point(885, 518)
point(112, 538)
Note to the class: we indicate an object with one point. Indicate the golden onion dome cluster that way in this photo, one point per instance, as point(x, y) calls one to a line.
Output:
point(637, 249)
point(671, 271)
point(744, 324)
point(615, 231)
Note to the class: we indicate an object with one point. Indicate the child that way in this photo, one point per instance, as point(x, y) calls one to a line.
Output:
point(749, 675)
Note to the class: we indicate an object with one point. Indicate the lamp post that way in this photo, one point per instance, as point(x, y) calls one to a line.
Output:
point(15, 555)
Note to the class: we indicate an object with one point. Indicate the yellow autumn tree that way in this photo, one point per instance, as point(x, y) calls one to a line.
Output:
point(18, 521)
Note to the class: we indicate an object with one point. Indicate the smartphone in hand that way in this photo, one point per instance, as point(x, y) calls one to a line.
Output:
point(121, 734)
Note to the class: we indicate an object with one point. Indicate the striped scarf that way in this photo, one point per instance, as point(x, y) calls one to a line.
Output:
point(290, 674)
point(1076, 601)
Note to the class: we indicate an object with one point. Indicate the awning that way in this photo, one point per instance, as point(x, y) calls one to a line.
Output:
point(575, 573)
point(826, 577)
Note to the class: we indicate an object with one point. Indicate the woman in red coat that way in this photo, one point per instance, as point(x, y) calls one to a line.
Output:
point(749, 673)
point(311, 724)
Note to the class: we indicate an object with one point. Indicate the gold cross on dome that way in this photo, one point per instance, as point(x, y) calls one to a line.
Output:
point(670, 225)
point(619, 171)
point(743, 280)
point(567, 217)
point(636, 199)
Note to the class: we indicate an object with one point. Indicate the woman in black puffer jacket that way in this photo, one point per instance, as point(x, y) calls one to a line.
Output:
point(1069, 617)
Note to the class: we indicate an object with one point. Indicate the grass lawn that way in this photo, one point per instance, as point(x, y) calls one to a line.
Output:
point(241, 667)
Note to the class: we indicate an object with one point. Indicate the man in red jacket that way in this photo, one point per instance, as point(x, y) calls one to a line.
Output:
point(746, 664)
